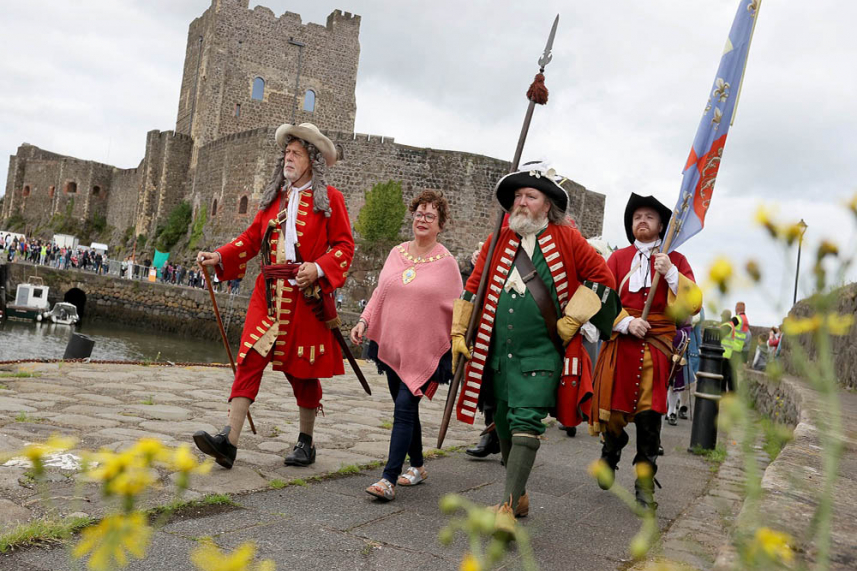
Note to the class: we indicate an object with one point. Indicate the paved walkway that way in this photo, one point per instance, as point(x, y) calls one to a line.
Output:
point(331, 524)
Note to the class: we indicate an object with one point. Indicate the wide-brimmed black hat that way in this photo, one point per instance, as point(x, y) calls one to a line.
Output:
point(536, 175)
point(635, 202)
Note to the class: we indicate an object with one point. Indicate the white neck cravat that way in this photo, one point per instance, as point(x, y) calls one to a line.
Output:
point(291, 220)
point(641, 268)
point(528, 243)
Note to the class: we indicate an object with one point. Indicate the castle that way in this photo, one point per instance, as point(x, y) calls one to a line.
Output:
point(246, 71)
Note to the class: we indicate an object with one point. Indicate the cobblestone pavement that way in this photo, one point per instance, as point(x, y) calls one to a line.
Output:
point(330, 524)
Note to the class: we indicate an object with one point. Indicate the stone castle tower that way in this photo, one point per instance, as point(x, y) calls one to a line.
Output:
point(246, 71)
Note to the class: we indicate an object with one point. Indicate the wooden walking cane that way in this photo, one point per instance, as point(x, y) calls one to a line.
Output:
point(222, 331)
point(537, 93)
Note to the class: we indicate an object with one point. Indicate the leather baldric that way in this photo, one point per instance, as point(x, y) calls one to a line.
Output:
point(541, 295)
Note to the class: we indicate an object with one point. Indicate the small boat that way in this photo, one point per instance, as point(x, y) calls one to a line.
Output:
point(31, 301)
point(63, 313)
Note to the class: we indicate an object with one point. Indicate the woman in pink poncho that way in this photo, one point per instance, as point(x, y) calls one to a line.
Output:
point(408, 320)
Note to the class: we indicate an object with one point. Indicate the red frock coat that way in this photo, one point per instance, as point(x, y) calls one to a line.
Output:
point(631, 349)
point(571, 261)
point(302, 345)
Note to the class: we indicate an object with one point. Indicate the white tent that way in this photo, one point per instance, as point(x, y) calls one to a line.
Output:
point(100, 248)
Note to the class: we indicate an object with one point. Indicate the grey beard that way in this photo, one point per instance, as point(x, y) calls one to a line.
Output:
point(524, 225)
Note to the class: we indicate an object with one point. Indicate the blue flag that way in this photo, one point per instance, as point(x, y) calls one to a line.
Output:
point(706, 154)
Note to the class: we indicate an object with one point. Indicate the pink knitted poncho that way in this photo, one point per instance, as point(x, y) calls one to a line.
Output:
point(411, 321)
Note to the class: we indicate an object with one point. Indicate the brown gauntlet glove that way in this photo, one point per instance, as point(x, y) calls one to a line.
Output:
point(461, 312)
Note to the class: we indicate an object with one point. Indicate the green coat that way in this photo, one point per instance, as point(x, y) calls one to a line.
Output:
point(525, 363)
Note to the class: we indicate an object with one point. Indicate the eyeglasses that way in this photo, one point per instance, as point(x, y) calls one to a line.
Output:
point(423, 216)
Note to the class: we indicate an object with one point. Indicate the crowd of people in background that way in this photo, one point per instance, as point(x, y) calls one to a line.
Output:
point(15, 248)
point(45, 253)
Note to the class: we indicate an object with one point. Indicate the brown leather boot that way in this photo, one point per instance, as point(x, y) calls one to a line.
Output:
point(504, 521)
point(523, 509)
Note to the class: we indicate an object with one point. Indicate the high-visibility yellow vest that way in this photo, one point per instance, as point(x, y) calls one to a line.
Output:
point(727, 341)
point(740, 335)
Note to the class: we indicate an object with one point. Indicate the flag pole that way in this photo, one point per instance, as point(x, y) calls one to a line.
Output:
point(746, 59)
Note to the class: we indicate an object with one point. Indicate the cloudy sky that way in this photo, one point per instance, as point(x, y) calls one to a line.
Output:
point(628, 83)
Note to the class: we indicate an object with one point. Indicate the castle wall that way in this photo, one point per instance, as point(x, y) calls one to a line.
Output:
point(122, 201)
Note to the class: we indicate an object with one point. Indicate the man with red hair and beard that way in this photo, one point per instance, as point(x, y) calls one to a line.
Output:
point(544, 282)
point(304, 234)
point(633, 366)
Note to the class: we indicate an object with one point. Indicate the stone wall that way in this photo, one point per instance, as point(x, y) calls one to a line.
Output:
point(845, 358)
point(229, 46)
point(122, 201)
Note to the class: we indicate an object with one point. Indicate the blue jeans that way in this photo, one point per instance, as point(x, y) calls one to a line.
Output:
point(406, 437)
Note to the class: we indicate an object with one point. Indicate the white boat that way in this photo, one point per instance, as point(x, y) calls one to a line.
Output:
point(31, 300)
point(63, 313)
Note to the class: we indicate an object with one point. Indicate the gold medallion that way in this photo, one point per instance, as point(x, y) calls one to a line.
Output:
point(409, 275)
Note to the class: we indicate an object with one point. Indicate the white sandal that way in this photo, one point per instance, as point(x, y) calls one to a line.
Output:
point(413, 476)
point(383, 489)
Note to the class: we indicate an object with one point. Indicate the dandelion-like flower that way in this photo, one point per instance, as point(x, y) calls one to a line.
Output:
point(764, 218)
point(754, 271)
point(470, 563)
point(208, 557)
point(773, 544)
point(36, 452)
point(826, 248)
point(720, 273)
point(109, 543)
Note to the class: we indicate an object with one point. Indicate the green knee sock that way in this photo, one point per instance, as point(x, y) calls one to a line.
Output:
point(505, 447)
point(522, 456)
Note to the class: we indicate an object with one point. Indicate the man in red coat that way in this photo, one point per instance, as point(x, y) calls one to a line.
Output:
point(633, 366)
point(303, 231)
point(544, 282)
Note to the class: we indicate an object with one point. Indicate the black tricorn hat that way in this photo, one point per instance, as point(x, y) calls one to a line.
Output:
point(635, 202)
point(532, 175)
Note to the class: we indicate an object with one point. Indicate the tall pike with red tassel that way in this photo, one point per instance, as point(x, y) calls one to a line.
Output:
point(536, 94)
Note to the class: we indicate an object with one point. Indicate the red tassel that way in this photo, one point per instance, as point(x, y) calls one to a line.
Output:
point(538, 92)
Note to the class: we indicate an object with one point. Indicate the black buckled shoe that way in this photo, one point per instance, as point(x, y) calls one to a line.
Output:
point(217, 446)
point(682, 412)
point(672, 420)
point(488, 444)
point(303, 453)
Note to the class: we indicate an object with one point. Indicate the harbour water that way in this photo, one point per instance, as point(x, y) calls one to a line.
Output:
point(113, 341)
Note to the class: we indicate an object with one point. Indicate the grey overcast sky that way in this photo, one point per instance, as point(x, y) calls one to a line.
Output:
point(628, 83)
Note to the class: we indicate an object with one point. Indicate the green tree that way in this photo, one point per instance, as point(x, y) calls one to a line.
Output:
point(381, 217)
point(175, 228)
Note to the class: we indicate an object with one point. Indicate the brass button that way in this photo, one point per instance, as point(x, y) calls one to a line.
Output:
point(511, 310)
point(510, 355)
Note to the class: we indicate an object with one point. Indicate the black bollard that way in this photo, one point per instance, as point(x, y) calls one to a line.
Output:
point(79, 346)
point(708, 389)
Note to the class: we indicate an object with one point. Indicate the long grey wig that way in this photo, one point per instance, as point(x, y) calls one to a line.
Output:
point(321, 202)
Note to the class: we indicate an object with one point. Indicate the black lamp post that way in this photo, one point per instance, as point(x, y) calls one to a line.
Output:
point(802, 225)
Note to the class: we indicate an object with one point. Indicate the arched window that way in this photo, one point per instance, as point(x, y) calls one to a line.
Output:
point(214, 208)
point(96, 190)
point(258, 89)
point(340, 153)
point(51, 191)
point(70, 187)
point(242, 205)
point(26, 191)
point(309, 101)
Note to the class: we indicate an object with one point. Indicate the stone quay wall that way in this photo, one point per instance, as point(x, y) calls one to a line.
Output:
point(842, 346)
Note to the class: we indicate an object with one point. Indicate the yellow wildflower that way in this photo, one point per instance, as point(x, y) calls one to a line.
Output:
point(840, 324)
point(791, 232)
point(107, 543)
point(470, 563)
point(753, 270)
point(774, 544)
point(763, 218)
point(207, 557)
point(131, 482)
point(184, 461)
point(149, 450)
point(601, 472)
point(799, 326)
point(36, 452)
point(721, 273)
point(826, 248)
point(852, 204)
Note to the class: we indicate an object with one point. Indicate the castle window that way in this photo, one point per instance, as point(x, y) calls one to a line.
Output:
point(238, 110)
point(340, 153)
point(96, 190)
point(214, 208)
point(51, 191)
point(70, 187)
point(258, 89)
point(26, 191)
point(242, 205)
point(309, 101)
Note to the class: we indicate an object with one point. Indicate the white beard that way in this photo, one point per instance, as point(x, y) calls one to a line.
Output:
point(524, 224)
